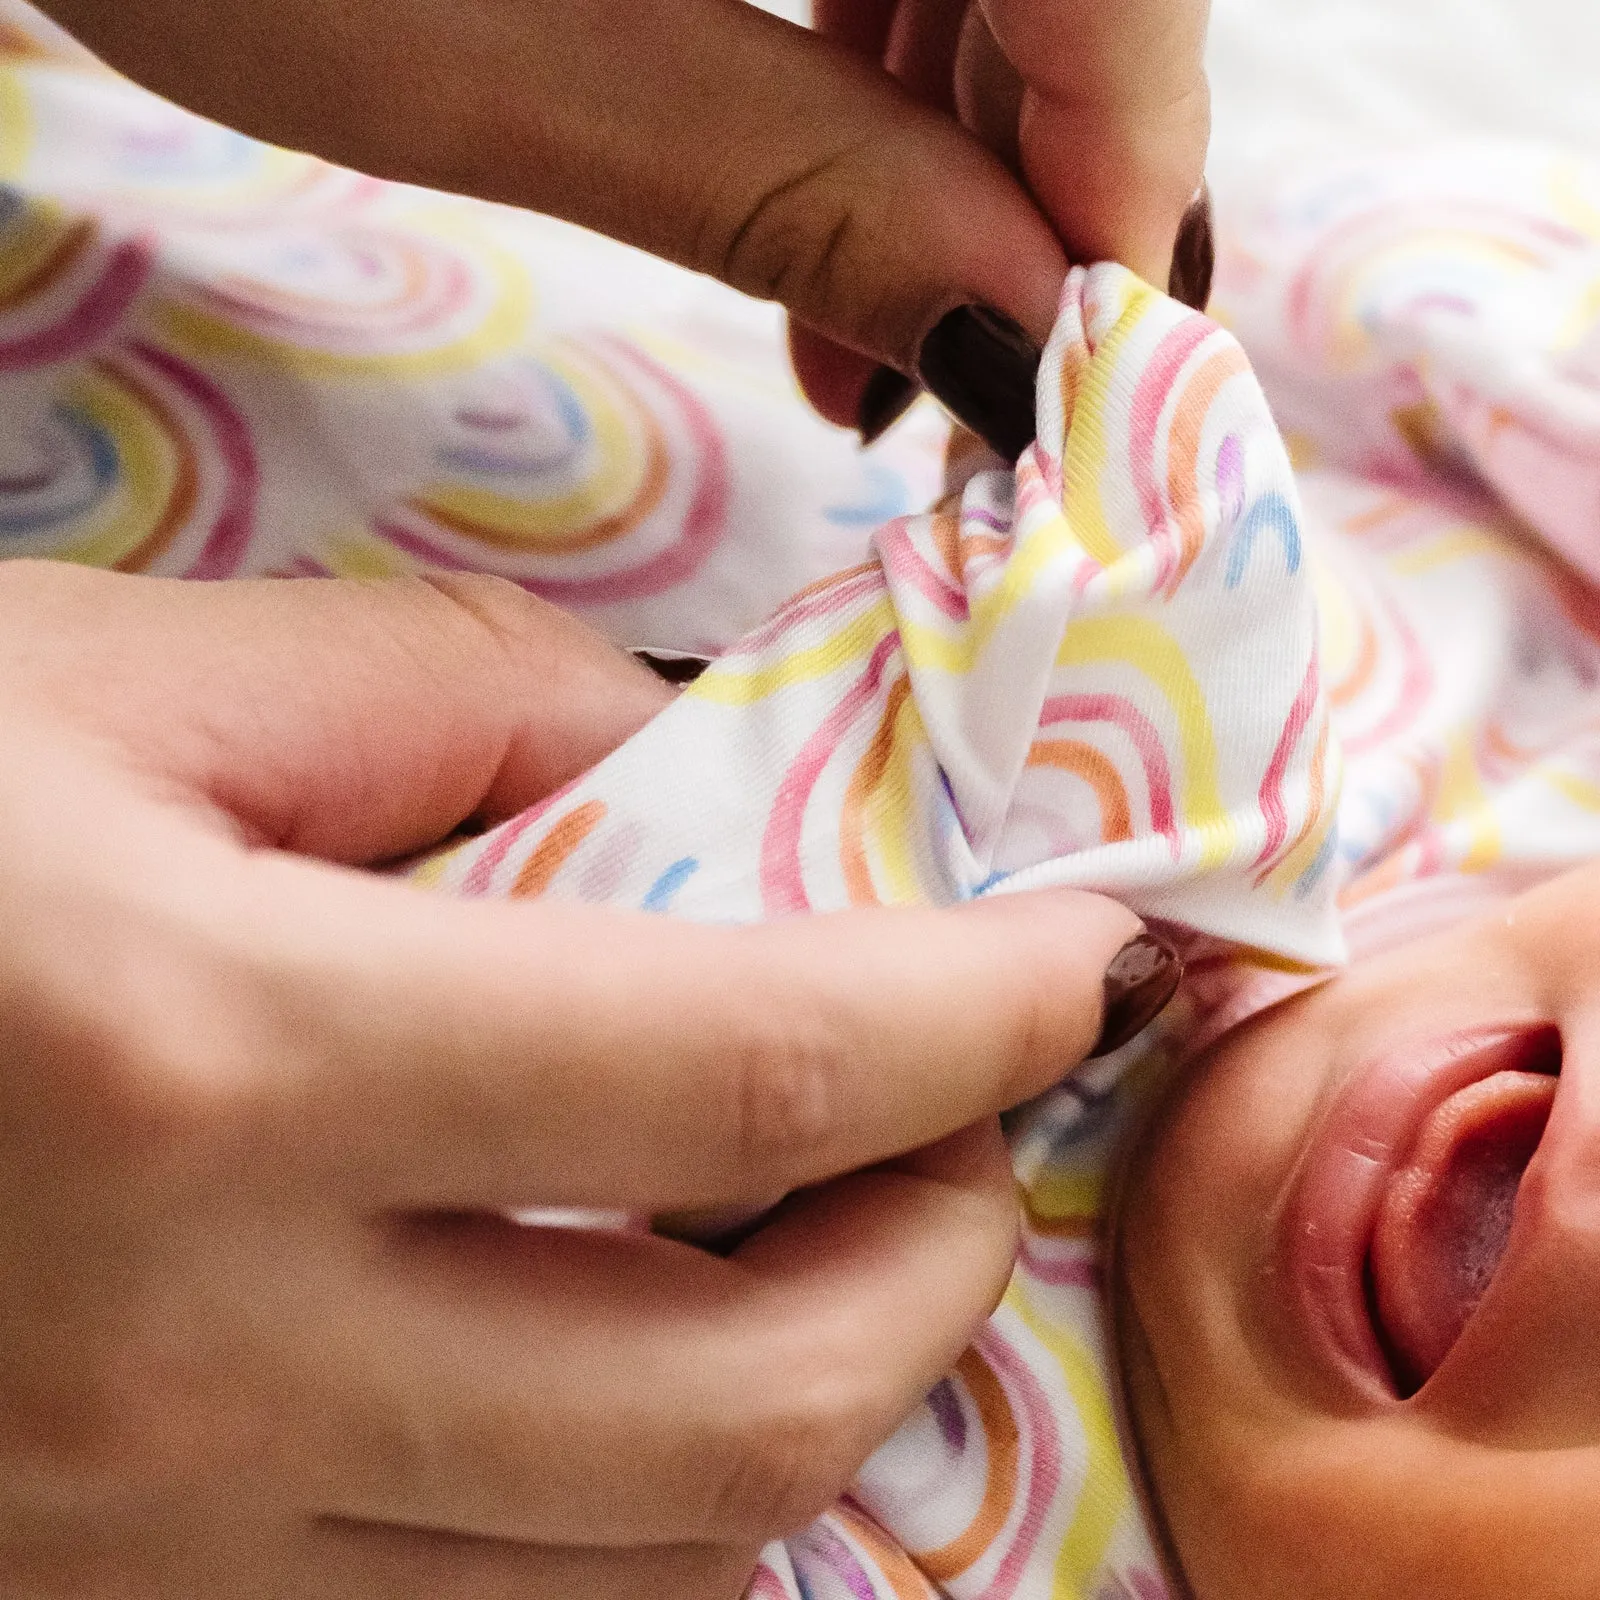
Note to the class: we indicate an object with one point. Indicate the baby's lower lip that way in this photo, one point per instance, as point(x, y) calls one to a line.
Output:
point(1350, 1158)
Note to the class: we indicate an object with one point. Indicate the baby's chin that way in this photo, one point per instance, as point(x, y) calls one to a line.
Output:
point(1290, 1440)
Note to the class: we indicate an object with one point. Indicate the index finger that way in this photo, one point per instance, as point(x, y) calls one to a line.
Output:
point(1115, 119)
point(484, 1055)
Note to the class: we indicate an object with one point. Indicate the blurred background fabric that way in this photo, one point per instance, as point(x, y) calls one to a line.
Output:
point(1293, 75)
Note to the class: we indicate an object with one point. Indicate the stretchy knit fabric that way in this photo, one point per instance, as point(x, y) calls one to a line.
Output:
point(1145, 662)
point(1099, 670)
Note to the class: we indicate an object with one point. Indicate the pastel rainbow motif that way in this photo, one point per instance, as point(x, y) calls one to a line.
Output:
point(889, 791)
point(598, 477)
point(142, 464)
point(1430, 328)
point(66, 284)
point(1040, 682)
point(187, 173)
point(1103, 669)
point(401, 298)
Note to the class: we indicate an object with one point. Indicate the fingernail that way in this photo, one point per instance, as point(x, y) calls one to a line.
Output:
point(886, 398)
point(1142, 978)
point(673, 666)
point(981, 367)
point(1194, 253)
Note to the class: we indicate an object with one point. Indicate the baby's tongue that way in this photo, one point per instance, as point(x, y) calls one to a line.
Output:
point(1445, 1220)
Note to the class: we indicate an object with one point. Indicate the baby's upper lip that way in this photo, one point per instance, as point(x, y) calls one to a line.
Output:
point(1350, 1159)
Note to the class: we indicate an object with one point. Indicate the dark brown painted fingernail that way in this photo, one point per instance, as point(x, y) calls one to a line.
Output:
point(981, 367)
point(1142, 978)
point(886, 398)
point(1194, 254)
point(673, 666)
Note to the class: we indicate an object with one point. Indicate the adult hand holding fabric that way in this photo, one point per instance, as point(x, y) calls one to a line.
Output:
point(846, 174)
point(263, 1329)
point(1101, 109)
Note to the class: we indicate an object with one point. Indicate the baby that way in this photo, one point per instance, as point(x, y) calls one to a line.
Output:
point(1358, 1247)
point(1137, 666)
point(1356, 1269)
point(1277, 712)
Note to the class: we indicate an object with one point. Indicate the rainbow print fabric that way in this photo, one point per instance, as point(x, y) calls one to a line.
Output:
point(1098, 671)
point(1278, 711)
point(1413, 608)
point(220, 359)
point(1428, 329)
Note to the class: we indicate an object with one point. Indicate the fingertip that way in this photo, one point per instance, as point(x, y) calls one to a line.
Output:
point(832, 376)
point(1093, 973)
point(1093, 927)
point(1143, 976)
point(1117, 184)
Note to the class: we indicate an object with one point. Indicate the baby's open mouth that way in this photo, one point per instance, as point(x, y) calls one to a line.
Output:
point(1402, 1209)
point(1445, 1215)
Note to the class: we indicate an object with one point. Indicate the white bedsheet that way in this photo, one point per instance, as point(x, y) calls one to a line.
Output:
point(1288, 74)
point(1291, 73)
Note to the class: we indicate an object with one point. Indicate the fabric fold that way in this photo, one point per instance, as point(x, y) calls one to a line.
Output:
point(1098, 671)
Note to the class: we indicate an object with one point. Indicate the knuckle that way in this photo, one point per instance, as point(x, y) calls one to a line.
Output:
point(100, 1430)
point(497, 623)
point(173, 1094)
point(491, 601)
point(819, 240)
point(123, 1420)
point(465, 608)
point(136, 1063)
point(789, 1073)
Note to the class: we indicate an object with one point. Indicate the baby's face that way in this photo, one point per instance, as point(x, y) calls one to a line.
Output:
point(1358, 1278)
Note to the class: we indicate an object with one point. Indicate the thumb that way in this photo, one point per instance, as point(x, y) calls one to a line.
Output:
point(1112, 124)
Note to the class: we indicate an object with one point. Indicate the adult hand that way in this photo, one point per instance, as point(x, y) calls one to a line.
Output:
point(1100, 107)
point(791, 164)
point(262, 1330)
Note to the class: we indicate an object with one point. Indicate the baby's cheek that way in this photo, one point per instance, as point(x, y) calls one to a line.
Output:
point(1380, 1508)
